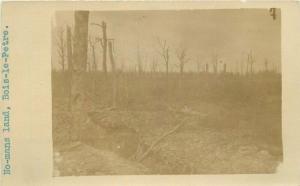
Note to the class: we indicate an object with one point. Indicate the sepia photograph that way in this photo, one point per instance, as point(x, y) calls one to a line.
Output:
point(166, 92)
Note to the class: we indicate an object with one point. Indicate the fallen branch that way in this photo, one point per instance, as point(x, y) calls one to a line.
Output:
point(147, 152)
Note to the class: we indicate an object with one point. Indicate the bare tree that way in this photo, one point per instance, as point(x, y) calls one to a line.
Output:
point(250, 63)
point(206, 68)
point(70, 62)
point(266, 65)
point(182, 57)
point(61, 44)
point(224, 68)
point(154, 65)
point(275, 68)
point(113, 70)
point(215, 63)
point(139, 60)
point(164, 53)
point(92, 44)
point(69, 49)
point(103, 42)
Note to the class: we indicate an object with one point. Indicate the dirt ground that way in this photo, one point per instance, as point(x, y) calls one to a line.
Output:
point(205, 125)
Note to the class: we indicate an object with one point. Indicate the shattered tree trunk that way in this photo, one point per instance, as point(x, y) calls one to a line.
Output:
point(70, 67)
point(266, 66)
point(181, 68)
point(69, 49)
point(114, 77)
point(78, 90)
point(215, 65)
point(94, 58)
point(247, 67)
point(63, 62)
point(251, 66)
point(167, 62)
point(104, 47)
point(224, 68)
point(206, 68)
point(94, 69)
point(139, 61)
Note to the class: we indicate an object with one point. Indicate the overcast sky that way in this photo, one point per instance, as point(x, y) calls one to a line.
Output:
point(231, 34)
